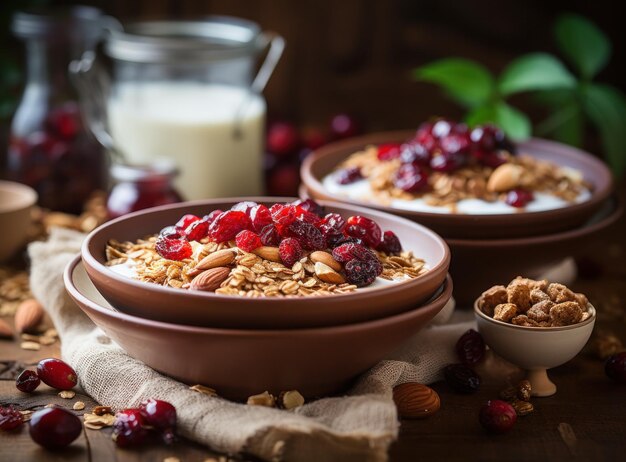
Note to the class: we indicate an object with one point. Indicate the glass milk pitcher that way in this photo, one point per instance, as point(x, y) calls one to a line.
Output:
point(184, 92)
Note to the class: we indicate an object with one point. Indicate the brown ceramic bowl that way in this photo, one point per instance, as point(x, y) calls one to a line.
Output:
point(16, 201)
point(196, 308)
point(479, 264)
point(465, 226)
point(239, 363)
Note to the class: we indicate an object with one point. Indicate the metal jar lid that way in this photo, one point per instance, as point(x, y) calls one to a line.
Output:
point(214, 38)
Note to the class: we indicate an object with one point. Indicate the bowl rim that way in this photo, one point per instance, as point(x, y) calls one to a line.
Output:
point(601, 191)
point(479, 314)
point(27, 196)
point(444, 291)
point(90, 260)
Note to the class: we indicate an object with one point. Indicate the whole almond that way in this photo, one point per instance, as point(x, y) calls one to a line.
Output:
point(327, 274)
point(268, 253)
point(210, 279)
point(28, 316)
point(505, 178)
point(222, 257)
point(415, 401)
point(326, 258)
point(5, 330)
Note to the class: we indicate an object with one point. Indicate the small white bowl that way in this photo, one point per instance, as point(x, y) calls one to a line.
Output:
point(16, 201)
point(535, 348)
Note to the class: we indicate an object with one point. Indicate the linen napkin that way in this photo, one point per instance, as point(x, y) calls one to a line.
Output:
point(359, 426)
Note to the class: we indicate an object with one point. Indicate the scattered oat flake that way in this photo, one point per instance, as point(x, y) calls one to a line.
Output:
point(52, 332)
point(204, 390)
point(32, 346)
point(47, 340)
point(78, 406)
point(171, 459)
point(96, 422)
point(30, 338)
point(67, 394)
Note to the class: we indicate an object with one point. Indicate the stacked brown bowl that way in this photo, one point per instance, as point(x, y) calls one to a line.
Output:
point(490, 248)
point(242, 346)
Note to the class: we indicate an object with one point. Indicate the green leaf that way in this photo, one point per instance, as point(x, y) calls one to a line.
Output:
point(569, 125)
point(514, 122)
point(465, 81)
point(606, 107)
point(583, 44)
point(565, 119)
point(536, 71)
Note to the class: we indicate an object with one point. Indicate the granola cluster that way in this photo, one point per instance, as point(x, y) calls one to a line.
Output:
point(529, 303)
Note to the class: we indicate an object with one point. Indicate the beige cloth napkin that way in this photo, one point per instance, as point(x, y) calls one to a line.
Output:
point(356, 427)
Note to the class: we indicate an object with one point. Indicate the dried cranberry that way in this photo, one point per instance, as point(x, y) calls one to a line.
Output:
point(306, 216)
point(491, 159)
point(248, 241)
point(484, 137)
point(388, 151)
point(290, 251)
point(56, 373)
point(425, 137)
point(161, 415)
point(54, 428)
point(228, 224)
point(361, 273)
point(245, 207)
point(348, 252)
point(455, 143)
point(170, 232)
point(410, 178)
point(447, 162)
point(415, 153)
point(282, 138)
point(348, 175)
point(27, 381)
point(461, 378)
point(197, 230)
point(390, 243)
point(332, 225)
point(260, 217)
point(10, 419)
point(310, 206)
point(363, 228)
point(186, 220)
point(173, 249)
point(269, 236)
point(339, 239)
point(129, 428)
point(344, 126)
point(307, 235)
point(470, 348)
point(442, 127)
point(210, 218)
point(615, 367)
point(519, 198)
point(497, 416)
point(283, 215)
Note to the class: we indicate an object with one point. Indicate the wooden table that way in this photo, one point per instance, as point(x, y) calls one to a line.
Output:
point(587, 403)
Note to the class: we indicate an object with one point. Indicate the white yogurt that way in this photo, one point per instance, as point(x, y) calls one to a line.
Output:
point(362, 191)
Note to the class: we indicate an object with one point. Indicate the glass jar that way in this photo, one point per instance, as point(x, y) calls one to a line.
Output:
point(138, 188)
point(185, 91)
point(49, 148)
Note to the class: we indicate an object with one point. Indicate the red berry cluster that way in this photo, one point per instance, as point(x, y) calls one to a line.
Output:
point(133, 426)
point(295, 229)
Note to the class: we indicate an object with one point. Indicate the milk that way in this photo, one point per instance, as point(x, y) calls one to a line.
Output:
point(193, 125)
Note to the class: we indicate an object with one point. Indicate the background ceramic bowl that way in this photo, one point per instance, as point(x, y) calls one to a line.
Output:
point(317, 165)
point(535, 349)
point(16, 201)
point(208, 309)
point(239, 363)
point(479, 264)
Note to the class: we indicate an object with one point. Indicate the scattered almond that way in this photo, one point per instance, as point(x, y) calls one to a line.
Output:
point(326, 258)
point(28, 316)
point(290, 399)
point(32, 346)
point(210, 279)
point(262, 399)
point(67, 394)
point(415, 401)
point(204, 390)
point(5, 330)
point(78, 406)
point(327, 274)
point(96, 422)
point(268, 253)
point(504, 178)
point(47, 340)
point(222, 257)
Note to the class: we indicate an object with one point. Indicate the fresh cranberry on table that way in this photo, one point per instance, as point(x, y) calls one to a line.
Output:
point(57, 374)
point(247, 240)
point(282, 138)
point(410, 178)
point(161, 415)
point(344, 126)
point(54, 428)
point(10, 418)
point(390, 244)
point(290, 251)
point(129, 428)
point(519, 198)
point(349, 175)
point(615, 367)
point(173, 249)
point(363, 228)
point(470, 348)
point(27, 381)
point(497, 416)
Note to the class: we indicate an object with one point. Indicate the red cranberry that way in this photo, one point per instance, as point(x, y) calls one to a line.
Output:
point(491, 159)
point(484, 137)
point(361, 273)
point(410, 178)
point(348, 175)
point(615, 367)
point(210, 218)
point(282, 138)
point(64, 121)
point(27, 381)
point(171, 232)
point(519, 198)
point(54, 428)
point(349, 251)
point(160, 415)
point(447, 162)
point(173, 249)
point(269, 236)
point(228, 224)
point(310, 206)
point(283, 216)
point(248, 241)
point(284, 180)
point(470, 348)
point(57, 374)
point(364, 228)
point(455, 143)
point(307, 235)
point(461, 378)
point(314, 138)
point(245, 207)
point(197, 230)
point(388, 151)
point(332, 225)
point(340, 239)
point(260, 217)
point(390, 243)
point(307, 217)
point(442, 127)
point(344, 126)
point(497, 416)
point(290, 251)
point(425, 137)
point(186, 220)
point(129, 428)
point(415, 153)
point(10, 419)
